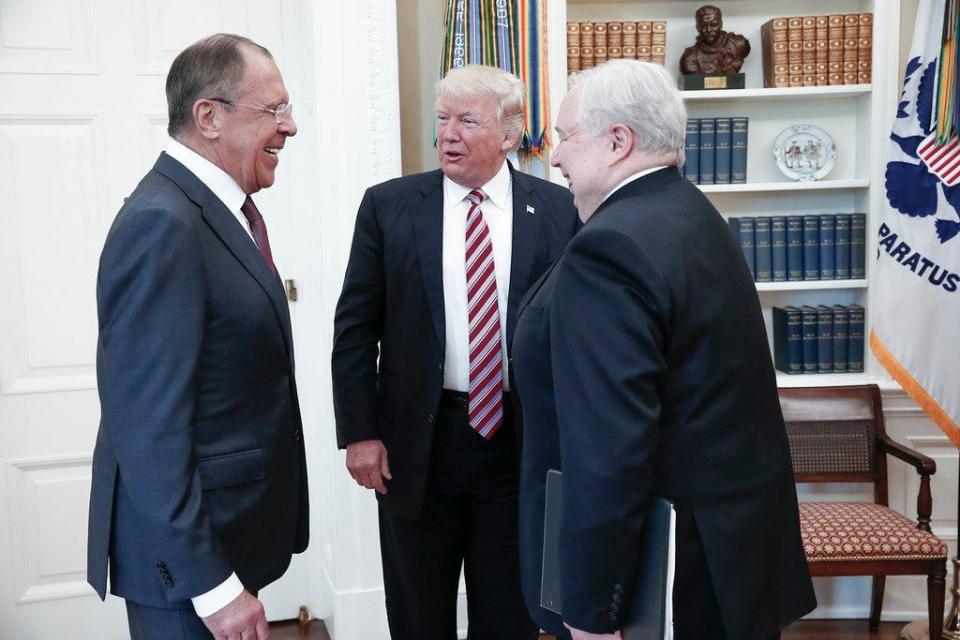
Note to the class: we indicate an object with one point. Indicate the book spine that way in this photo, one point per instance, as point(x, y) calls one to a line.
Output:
point(811, 247)
point(841, 321)
point(809, 40)
point(841, 245)
point(828, 254)
point(773, 36)
point(858, 245)
point(763, 248)
point(721, 163)
point(586, 45)
point(851, 46)
point(708, 139)
point(778, 248)
point(855, 339)
point(691, 149)
point(658, 52)
point(824, 339)
point(573, 47)
point(599, 42)
point(835, 49)
point(795, 51)
point(787, 345)
point(822, 56)
point(738, 150)
point(747, 245)
point(808, 339)
point(734, 224)
point(865, 48)
point(794, 248)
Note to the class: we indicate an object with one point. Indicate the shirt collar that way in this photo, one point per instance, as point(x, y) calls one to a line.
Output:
point(215, 178)
point(497, 190)
point(638, 174)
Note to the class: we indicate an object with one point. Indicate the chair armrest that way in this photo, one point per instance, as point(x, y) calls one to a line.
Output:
point(925, 466)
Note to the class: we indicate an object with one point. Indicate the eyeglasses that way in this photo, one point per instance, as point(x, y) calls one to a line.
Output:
point(281, 113)
point(564, 138)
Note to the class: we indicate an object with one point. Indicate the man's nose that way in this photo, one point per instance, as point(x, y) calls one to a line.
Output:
point(288, 126)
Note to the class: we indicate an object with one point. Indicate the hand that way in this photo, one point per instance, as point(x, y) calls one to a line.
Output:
point(367, 464)
point(241, 619)
point(577, 634)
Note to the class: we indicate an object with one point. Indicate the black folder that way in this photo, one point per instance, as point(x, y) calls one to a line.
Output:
point(646, 617)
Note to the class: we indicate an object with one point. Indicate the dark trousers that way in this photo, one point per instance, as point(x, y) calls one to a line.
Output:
point(469, 519)
point(696, 612)
point(152, 623)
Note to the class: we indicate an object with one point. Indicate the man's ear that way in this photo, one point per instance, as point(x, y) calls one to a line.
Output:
point(207, 119)
point(622, 140)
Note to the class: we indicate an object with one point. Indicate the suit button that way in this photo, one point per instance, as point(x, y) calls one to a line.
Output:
point(296, 435)
point(430, 418)
point(161, 565)
point(169, 582)
point(440, 367)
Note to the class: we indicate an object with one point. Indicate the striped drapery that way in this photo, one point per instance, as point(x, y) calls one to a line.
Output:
point(511, 35)
point(948, 90)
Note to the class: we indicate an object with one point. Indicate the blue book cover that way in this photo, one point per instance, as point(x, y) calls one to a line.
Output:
point(734, 228)
point(855, 339)
point(778, 248)
point(858, 245)
point(762, 246)
point(747, 244)
point(824, 339)
point(794, 247)
point(723, 140)
point(738, 151)
point(787, 345)
point(841, 320)
point(811, 247)
point(827, 253)
point(708, 140)
point(691, 149)
point(841, 245)
point(808, 338)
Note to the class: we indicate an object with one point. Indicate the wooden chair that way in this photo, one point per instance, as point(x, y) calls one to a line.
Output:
point(837, 435)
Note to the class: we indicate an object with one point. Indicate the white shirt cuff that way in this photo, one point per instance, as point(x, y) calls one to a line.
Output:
point(217, 598)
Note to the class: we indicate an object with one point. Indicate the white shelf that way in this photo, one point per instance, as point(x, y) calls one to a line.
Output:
point(794, 93)
point(819, 185)
point(824, 379)
point(811, 285)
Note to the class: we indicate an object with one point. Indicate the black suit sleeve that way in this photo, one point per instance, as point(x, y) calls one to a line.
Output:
point(608, 324)
point(358, 328)
point(151, 299)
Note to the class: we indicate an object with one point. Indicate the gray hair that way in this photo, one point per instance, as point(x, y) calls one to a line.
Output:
point(210, 68)
point(477, 80)
point(640, 95)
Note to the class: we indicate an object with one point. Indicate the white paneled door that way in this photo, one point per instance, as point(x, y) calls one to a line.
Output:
point(82, 118)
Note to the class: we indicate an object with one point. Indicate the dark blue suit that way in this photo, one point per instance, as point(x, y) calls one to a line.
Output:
point(199, 464)
point(642, 368)
point(453, 496)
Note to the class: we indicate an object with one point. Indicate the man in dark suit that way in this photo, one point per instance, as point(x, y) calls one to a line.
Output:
point(199, 492)
point(438, 265)
point(642, 367)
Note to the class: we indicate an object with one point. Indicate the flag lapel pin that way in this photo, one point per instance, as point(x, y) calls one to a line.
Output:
point(531, 210)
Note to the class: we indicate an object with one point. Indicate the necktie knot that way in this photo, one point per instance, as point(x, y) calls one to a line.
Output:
point(475, 197)
point(250, 211)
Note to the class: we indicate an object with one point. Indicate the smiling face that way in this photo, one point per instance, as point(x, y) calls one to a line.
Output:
point(250, 140)
point(579, 155)
point(471, 141)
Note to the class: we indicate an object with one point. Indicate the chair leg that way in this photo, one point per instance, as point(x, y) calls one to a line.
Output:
point(876, 601)
point(936, 589)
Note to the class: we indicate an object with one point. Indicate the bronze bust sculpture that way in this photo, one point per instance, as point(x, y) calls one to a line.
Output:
point(716, 50)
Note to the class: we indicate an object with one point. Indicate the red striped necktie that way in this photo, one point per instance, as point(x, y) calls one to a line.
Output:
point(483, 314)
point(258, 228)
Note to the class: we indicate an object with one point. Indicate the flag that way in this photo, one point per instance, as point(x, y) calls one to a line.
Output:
point(511, 35)
point(916, 291)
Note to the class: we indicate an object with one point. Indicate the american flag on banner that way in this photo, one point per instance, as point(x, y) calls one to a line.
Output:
point(943, 160)
point(915, 301)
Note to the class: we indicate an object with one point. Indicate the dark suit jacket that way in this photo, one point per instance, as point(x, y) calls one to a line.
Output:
point(199, 464)
point(642, 368)
point(392, 306)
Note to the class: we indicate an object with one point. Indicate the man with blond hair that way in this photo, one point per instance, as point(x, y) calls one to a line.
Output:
point(438, 265)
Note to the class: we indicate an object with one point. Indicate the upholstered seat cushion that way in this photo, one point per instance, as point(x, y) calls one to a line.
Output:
point(839, 531)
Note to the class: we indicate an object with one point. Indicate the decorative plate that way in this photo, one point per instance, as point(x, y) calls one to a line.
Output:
point(804, 152)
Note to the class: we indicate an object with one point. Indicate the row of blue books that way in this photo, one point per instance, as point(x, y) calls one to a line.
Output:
point(716, 150)
point(830, 246)
point(818, 339)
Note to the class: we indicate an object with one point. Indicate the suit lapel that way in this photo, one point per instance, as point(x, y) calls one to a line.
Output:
point(526, 231)
point(224, 224)
point(427, 215)
point(528, 296)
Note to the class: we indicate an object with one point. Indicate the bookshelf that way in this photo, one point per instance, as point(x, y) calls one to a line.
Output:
point(857, 117)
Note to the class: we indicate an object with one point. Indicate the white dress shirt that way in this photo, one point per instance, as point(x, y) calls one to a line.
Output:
point(233, 197)
point(497, 208)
